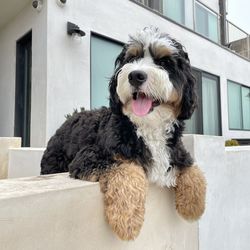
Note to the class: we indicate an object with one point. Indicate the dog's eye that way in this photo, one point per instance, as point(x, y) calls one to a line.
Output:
point(164, 61)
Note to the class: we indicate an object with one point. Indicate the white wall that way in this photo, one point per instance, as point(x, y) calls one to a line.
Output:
point(226, 221)
point(5, 144)
point(56, 212)
point(24, 162)
point(28, 19)
point(69, 62)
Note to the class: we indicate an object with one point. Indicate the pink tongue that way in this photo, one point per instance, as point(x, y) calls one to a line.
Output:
point(142, 105)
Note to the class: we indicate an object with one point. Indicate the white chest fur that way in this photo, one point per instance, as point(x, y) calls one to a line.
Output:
point(159, 172)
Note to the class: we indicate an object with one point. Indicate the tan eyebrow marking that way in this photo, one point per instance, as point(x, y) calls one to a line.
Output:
point(134, 50)
point(160, 51)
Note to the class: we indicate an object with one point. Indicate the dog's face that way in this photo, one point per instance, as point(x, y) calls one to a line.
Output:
point(153, 79)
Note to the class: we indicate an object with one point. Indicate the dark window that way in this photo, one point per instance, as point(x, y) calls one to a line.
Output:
point(23, 89)
point(156, 5)
point(206, 118)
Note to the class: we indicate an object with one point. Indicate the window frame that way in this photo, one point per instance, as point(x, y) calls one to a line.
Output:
point(201, 73)
point(242, 120)
point(23, 88)
point(217, 78)
point(189, 28)
point(211, 11)
point(183, 17)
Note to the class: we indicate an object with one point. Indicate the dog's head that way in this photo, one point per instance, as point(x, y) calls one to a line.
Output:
point(153, 79)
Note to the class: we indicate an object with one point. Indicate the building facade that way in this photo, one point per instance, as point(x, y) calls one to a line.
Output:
point(45, 73)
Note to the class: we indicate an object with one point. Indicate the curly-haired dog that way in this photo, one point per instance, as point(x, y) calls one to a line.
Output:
point(138, 138)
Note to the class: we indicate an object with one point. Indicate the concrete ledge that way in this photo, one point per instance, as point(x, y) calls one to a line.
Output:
point(5, 144)
point(24, 162)
point(56, 212)
point(238, 148)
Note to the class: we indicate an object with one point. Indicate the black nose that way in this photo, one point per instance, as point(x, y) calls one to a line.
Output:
point(137, 78)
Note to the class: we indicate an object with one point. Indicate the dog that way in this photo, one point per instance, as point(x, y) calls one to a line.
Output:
point(137, 139)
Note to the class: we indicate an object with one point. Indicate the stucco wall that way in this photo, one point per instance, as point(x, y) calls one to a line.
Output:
point(69, 61)
point(56, 212)
point(28, 19)
point(5, 144)
point(226, 221)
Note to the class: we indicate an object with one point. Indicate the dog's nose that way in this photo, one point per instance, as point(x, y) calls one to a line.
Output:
point(137, 78)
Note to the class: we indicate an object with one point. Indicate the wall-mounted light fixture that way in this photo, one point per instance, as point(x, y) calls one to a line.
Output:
point(74, 30)
point(61, 3)
point(37, 5)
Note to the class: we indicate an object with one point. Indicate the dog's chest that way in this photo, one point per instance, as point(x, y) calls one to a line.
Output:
point(160, 172)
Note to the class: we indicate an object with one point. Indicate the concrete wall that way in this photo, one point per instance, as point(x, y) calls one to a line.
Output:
point(6, 144)
point(69, 61)
point(235, 215)
point(24, 162)
point(226, 222)
point(27, 19)
point(56, 212)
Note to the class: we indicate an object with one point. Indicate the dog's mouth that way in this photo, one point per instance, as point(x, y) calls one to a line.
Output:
point(143, 104)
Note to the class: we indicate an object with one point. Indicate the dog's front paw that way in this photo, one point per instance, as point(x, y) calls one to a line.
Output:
point(190, 193)
point(124, 191)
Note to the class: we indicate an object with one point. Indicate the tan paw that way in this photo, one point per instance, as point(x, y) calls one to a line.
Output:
point(190, 193)
point(124, 189)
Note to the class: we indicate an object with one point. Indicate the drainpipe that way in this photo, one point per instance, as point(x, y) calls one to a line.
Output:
point(223, 22)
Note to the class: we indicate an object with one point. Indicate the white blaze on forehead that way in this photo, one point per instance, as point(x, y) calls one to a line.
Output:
point(150, 36)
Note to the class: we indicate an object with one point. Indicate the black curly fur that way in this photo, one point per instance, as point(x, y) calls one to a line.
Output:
point(91, 141)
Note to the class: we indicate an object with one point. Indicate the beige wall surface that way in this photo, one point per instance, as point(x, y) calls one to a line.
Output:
point(226, 221)
point(5, 144)
point(25, 20)
point(24, 162)
point(56, 212)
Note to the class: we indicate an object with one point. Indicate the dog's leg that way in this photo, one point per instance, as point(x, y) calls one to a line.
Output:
point(190, 193)
point(124, 189)
point(89, 164)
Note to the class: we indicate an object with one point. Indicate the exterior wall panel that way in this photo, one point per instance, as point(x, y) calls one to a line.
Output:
point(61, 72)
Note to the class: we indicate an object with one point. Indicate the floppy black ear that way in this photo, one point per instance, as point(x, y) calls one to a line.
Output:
point(114, 101)
point(120, 58)
point(189, 96)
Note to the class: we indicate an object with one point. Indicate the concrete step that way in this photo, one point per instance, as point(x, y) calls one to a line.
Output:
point(24, 162)
point(5, 144)
point(55, 212)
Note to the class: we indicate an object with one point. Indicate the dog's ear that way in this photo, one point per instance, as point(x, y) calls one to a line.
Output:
point(189, 96)
point(114, 101)
point(120, 58)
